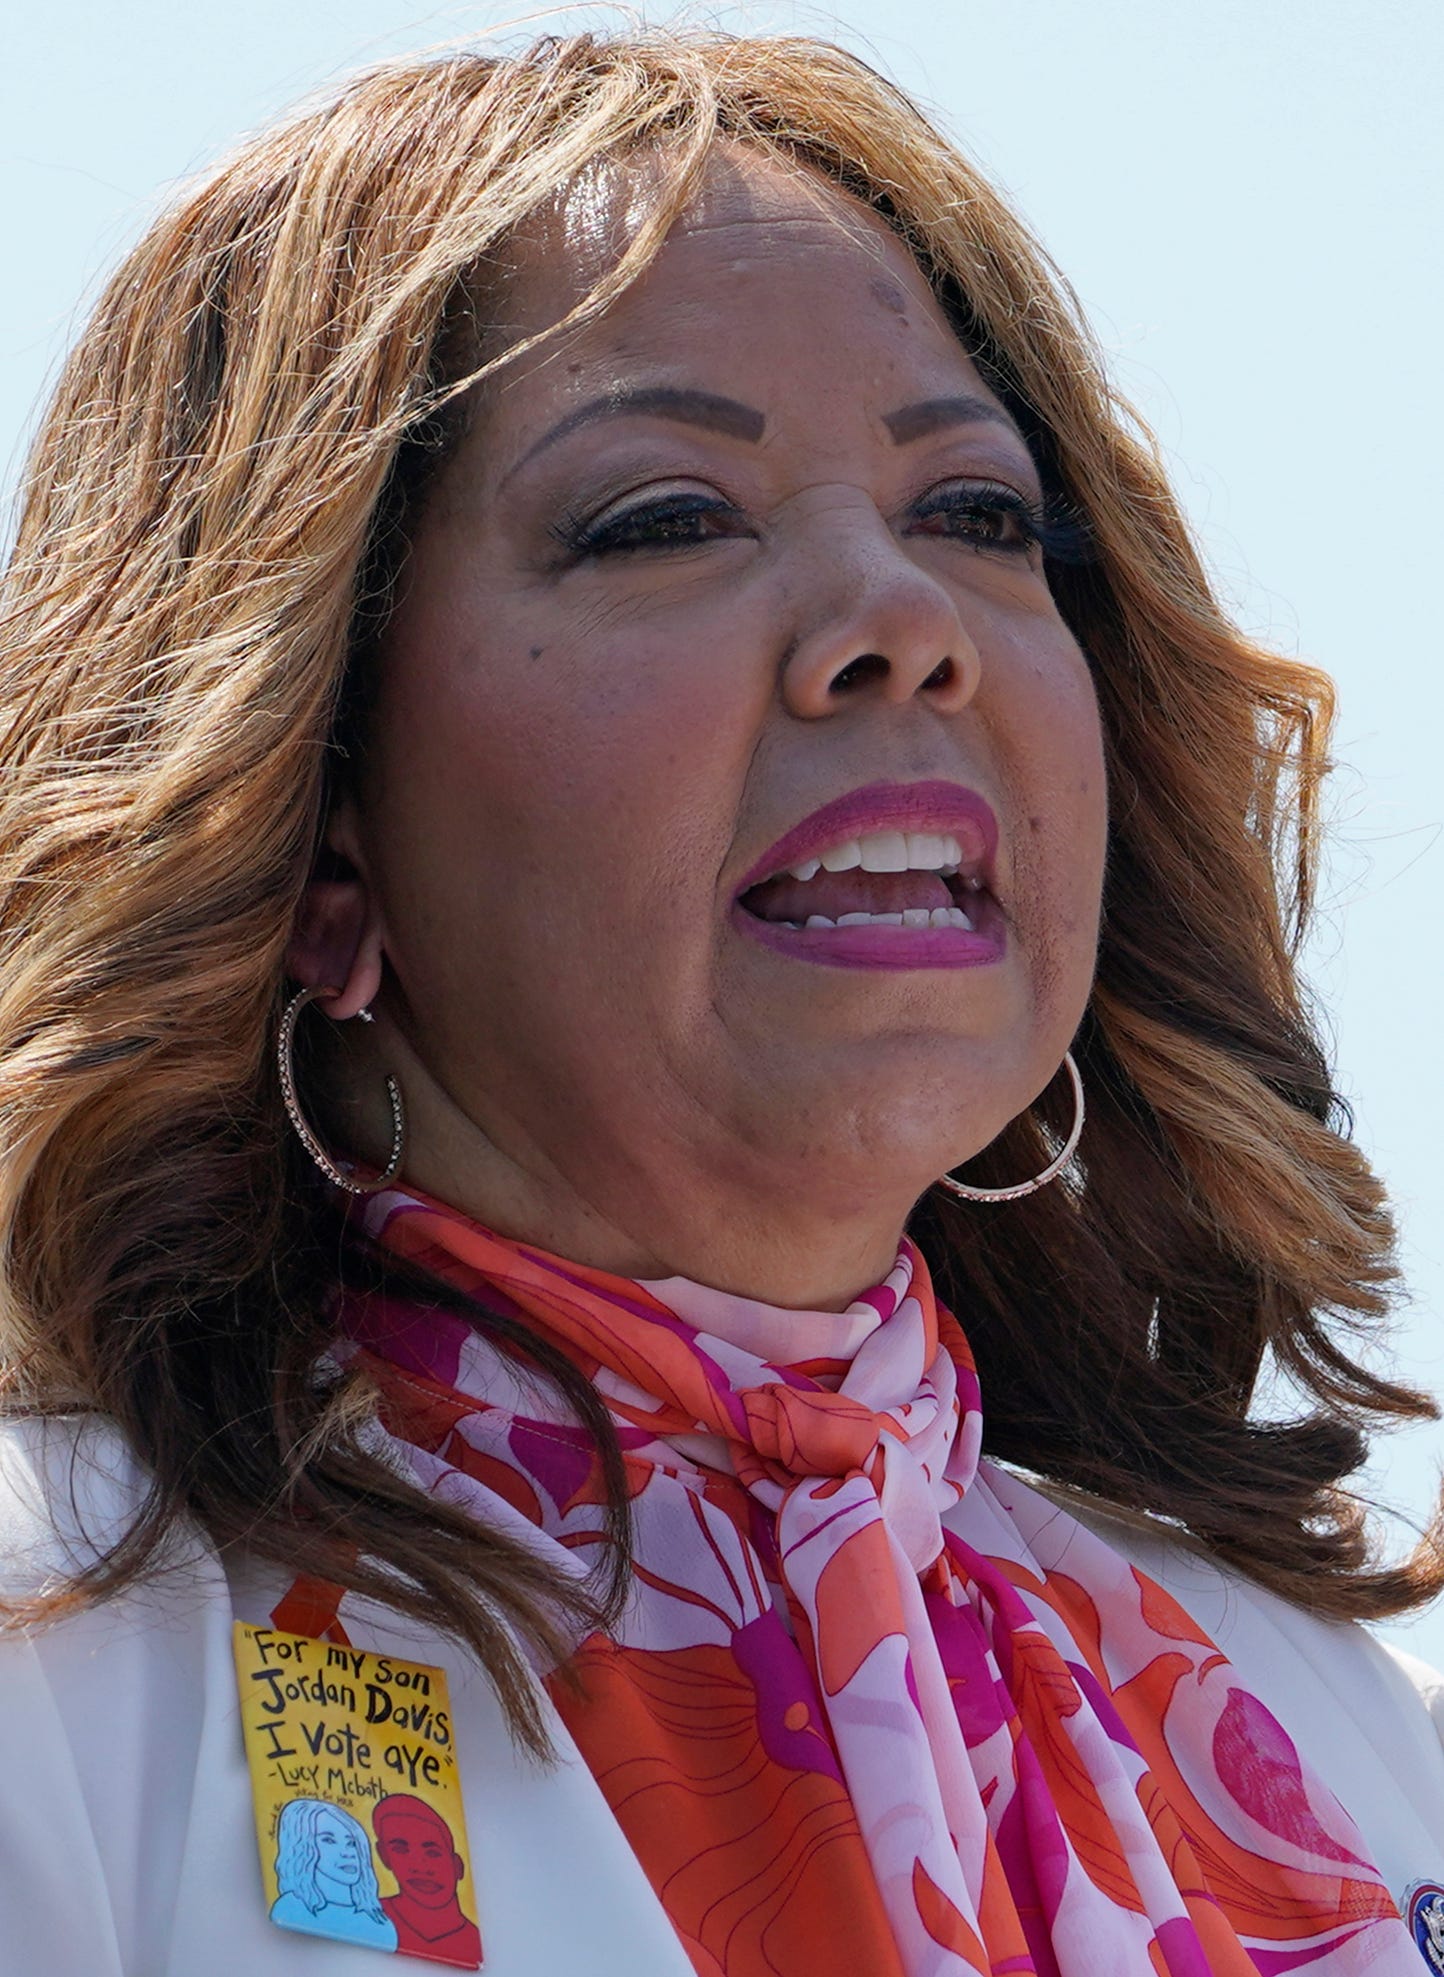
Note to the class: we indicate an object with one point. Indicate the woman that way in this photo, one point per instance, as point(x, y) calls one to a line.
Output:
point(325, 1876)
point(620, 568)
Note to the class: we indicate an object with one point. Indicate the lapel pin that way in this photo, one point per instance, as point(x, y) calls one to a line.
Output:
point(357, 1796)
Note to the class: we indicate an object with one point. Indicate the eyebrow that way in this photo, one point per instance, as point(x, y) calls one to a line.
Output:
point(931, 415)
point(730, 416)
point(660, 401)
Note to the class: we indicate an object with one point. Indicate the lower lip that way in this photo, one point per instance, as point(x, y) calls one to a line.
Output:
point(875, 947)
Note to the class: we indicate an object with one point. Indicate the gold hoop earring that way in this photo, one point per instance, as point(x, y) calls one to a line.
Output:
point(1050, 1172)
point(336, 1175)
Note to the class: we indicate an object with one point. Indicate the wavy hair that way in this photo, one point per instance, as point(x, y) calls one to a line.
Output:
point(218, 509)
point(298, 1856)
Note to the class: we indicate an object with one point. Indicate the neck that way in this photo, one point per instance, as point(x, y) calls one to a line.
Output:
point(719, 1228)
point(767, 1258)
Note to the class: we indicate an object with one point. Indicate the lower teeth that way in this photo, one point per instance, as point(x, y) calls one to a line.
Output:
point(916, 916)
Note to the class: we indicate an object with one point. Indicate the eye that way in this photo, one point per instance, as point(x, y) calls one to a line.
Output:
point(661, 522)
point(985, 514)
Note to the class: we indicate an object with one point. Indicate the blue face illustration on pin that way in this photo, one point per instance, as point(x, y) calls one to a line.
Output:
point(338, 1860)
point(326, 1878)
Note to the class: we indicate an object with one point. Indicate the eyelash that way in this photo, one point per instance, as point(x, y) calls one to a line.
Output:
point(674, 522)
point(642, 527)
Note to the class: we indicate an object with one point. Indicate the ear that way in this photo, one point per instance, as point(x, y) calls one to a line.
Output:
point(337, 942)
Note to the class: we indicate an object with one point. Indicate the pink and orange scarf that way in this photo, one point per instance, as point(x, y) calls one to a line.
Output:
point(875, 1706)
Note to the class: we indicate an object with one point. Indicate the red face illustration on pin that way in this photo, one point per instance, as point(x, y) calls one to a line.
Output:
point(415, 1846)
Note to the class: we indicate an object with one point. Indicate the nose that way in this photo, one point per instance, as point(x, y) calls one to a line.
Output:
point(870, 620)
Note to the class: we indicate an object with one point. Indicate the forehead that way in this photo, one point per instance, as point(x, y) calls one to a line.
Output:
point(747, 201)
point(760, 239)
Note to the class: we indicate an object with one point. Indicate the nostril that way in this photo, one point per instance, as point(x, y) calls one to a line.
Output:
point(943, 674)
point(867, 666)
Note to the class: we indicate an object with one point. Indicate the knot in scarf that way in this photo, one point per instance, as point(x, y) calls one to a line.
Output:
point(874, 1404)
point(795, 1432)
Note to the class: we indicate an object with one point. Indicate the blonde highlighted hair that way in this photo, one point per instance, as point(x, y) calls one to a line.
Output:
point(217, 509)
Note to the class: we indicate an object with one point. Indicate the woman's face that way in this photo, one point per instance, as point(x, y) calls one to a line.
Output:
point(338, 1858)
point(755, 543)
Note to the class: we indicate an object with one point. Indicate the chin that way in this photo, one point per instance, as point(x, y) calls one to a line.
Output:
point(916, 1108)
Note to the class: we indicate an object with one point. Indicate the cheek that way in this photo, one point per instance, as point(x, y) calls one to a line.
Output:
point(1075, 776)
point(555, 764)
point(1056, 755)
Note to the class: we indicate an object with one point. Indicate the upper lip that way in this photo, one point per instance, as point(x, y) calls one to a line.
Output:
point(928, 806)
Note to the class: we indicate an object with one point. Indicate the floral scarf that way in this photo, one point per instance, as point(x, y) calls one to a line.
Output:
point(874, 1705)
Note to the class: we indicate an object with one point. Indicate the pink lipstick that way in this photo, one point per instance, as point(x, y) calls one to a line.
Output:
point(894, 875)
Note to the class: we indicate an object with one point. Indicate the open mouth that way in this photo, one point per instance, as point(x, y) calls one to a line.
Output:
point(896, 875)
point(886, 900)
point(884, 879)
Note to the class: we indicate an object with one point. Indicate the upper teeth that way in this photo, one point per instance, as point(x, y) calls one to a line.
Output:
point(887, 851)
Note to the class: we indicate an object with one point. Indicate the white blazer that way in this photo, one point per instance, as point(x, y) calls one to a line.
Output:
point(127, 1847)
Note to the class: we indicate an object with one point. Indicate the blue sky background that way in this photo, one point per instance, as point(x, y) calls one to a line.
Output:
point(1246, 195)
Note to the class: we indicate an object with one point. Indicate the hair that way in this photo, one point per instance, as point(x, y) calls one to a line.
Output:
point(218, 509)
point(404, 1805)
point(298, 1855)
